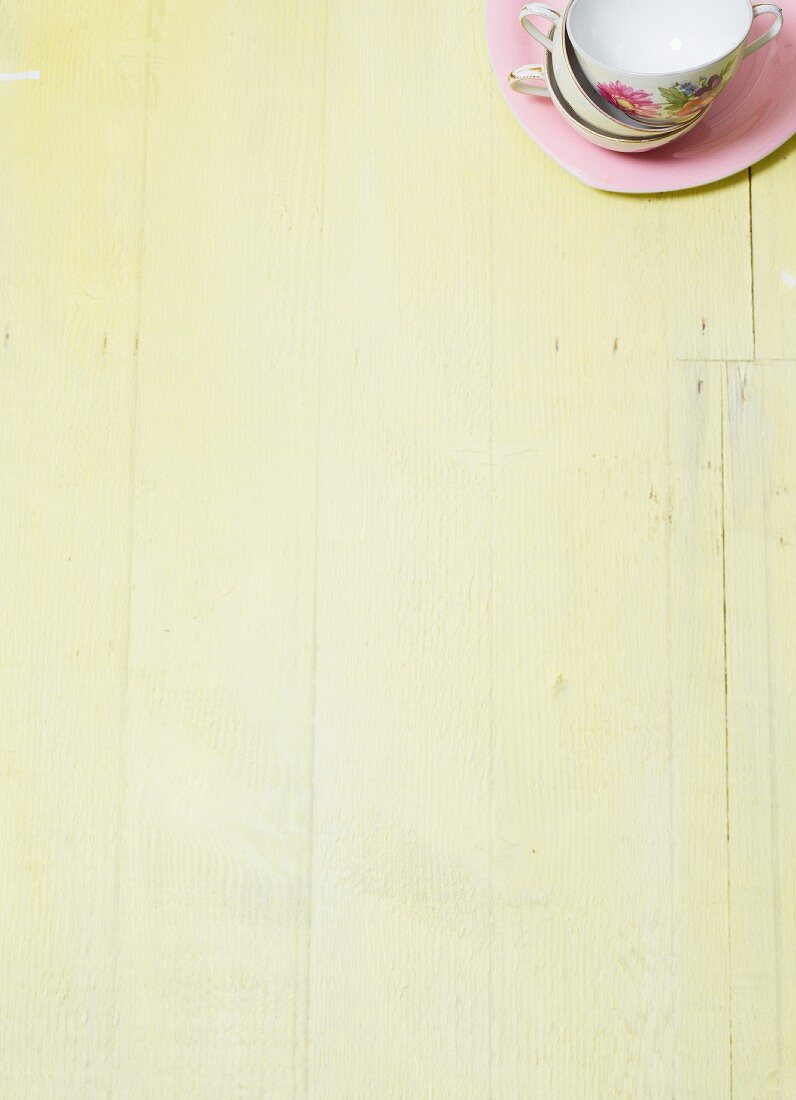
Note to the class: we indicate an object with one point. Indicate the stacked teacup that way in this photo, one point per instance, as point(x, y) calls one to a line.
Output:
point(632, 75)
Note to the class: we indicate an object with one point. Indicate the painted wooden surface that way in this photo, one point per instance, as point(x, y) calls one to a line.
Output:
point(397, 579)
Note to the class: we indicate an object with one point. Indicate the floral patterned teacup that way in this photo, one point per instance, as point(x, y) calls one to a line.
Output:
point(574, 89)
point(664, 62)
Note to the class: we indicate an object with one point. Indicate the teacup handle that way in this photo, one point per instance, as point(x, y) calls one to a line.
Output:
point(773, 30)
point(522, 80)
point(547, 13)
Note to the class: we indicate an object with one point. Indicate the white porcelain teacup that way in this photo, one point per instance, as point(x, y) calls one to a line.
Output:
point(663, 61)
point(541, 80)
point(574, 87)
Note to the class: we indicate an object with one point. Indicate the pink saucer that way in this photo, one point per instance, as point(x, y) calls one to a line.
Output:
point(752, 118)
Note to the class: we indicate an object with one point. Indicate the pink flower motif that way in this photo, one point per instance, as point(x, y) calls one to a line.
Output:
point(629, 100)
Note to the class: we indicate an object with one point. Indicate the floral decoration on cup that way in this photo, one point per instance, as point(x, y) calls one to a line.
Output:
point(680, 100)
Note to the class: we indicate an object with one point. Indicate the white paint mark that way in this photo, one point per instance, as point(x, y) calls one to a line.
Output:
point(788, 280)
point(34, 74)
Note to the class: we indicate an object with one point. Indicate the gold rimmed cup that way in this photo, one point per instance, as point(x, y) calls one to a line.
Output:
point(579, 95)
point(540, 79)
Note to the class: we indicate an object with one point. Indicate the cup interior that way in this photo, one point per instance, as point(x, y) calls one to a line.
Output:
point(649, 37)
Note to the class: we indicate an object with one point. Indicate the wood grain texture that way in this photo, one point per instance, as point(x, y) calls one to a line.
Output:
point(396, 579)
point(400, 925)
point(610, 949)
point(761, 651)
point(215, 863)
point(774, 234)
point(69, 243)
